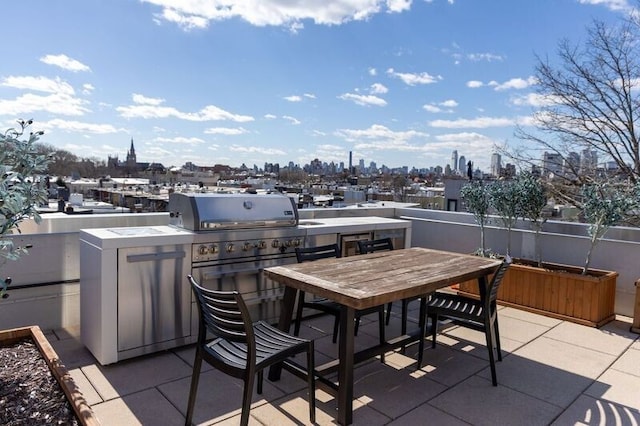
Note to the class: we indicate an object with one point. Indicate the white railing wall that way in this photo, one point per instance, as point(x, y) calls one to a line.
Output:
point(560, 242)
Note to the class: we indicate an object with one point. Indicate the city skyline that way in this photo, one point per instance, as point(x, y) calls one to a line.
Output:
point(396, 82)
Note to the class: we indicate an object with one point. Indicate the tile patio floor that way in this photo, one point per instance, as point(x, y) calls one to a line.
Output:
point(553, 372)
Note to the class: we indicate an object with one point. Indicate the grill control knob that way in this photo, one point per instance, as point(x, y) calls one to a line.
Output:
point(246, 246)
point(202, 250)
point(229, 247)
point(275, 243)
point(288, 243)
point(261, 244)
point(213, 249)
point(296, 242)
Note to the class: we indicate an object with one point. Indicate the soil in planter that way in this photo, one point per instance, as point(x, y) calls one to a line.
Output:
point(29, 394)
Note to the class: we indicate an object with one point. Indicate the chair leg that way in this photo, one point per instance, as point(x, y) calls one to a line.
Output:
point(246, 398)
point(311, 381)
point(405, 318)
point(381, 333)
point(336, 326)
point(259, 384)
point(497, 334)
point(388, 319)
point(296, 329)
point(434, 329)
point(195, 377)
point(422, 323)
point(356, 327)
point(488, 332)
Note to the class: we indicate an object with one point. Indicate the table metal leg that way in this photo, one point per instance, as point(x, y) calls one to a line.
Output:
point(345, 372)
point(286, 312)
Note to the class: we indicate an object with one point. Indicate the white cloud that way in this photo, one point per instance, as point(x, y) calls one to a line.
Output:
point(474, 84)
point(292, 120)
point(227, 131)
point(78, 127)
point(615, 5)
point(533, 99)
point(435, 108)
point(373, 72)
point(270, 116)
point(294, 98)
point(57, 103)
point(141, 99)
point(39, 84)
point(378, 89)
point(379, 137)
point(309, 95)
point(65, 62)
point(256, 149)
point(151, 108)
point(516, 83)
point(180, 140)
point(363, 100)
point(197, 14)
point(413, 79)
point(489, 57)
point(87, 89)
point(479, 122)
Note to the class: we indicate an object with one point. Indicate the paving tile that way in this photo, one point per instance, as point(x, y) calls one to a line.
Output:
point(477, 402)
point(552, 371)
point(134, 375)
point(391, 391)
point(591, 411)
point(427, 413)
point(529, 317)
point(519, 330)
point(73, 353)
point(445, 365)
point(629, 362)
point(474, 342)
point(618, 387)
point(84, 386)
point(69, 332)
point(148, 407)
point(219, 396)
point(603, 340)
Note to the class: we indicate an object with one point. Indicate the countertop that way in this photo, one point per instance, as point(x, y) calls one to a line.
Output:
point(351, 224)
point(135, 236)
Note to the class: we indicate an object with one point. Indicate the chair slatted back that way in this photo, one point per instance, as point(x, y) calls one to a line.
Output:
point(494, 286)
point(370, 246)
point(318, 252)
point(223, 313)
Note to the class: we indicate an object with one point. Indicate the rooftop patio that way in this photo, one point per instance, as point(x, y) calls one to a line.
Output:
point(553, 372)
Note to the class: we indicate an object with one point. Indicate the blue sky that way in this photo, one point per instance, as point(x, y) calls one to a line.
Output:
point(397, 82)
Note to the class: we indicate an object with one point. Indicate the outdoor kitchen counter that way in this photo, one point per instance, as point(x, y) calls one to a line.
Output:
point(351, 224)
point(135, 236)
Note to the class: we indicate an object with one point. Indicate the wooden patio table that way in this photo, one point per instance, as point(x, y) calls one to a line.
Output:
point(359, 282)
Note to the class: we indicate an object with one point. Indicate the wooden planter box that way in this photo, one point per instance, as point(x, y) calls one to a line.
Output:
point(558, 291)
point(83, 411)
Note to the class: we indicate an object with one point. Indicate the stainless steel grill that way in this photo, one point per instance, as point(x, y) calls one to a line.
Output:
point(236, 236)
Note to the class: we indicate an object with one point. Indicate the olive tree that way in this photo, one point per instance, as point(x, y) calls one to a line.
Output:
point(477, 202)
point(21, 190)
point(533, 200)
point(504, 196)
point(603, 206)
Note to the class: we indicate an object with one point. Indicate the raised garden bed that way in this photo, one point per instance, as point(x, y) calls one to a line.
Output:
point(557, 291)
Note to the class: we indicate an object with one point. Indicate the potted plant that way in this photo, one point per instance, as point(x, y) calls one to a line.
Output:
point(477, 202)
point(579, 294)
point(504, 196)
point(21, 192)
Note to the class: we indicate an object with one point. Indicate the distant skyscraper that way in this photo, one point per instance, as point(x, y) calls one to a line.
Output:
point(350, 162)
point(496, 164)
point(552, 163)
point(462, 164)
point(454, 160)
point(588, 162)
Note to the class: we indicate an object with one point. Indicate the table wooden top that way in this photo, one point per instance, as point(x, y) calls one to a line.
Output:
point(374, 279)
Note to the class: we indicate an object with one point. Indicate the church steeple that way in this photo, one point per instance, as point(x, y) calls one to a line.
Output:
point(132, 151)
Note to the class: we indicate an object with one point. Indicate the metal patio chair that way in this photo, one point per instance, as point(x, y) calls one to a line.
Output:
point(242, 349)
point(477, 314)
point(329, 306)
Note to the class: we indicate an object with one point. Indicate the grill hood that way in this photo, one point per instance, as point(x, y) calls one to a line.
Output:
point(214, 211)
